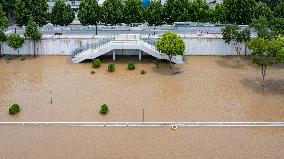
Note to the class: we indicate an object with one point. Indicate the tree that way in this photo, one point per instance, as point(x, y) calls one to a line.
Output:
point(8, 8)
point(153, 14)
point(240, 11)
point(219, 13)
point(133, 11)
point(15, 41)
point(279, 10)
point(61, 14)
point(4, 23)
point(37, 9)
point(262, 10)
point(170, 44)
point(261, 25)
point(201, 11)
point(112, 12)
point(176, 11)
point(231, 34)
point(32, 32)
point(266, 52)
point(277, 26)
point(89, 13)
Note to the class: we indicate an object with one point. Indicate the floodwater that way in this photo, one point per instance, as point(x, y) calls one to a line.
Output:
point(207, 88)
point(48, 142)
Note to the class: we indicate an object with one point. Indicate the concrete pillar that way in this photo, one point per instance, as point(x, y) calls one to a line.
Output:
point(113, 55)
point(140, 54)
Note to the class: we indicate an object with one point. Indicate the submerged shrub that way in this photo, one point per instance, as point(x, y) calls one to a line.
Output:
point(131, 65)
point(111, 67)
point(143, 72)
point(104, 109)
point(96, 63)
point(14, 109)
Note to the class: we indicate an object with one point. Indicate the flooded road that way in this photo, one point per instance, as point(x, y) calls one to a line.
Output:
point(205, 89)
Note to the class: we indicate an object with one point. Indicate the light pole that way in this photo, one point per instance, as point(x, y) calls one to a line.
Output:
point(143, 112)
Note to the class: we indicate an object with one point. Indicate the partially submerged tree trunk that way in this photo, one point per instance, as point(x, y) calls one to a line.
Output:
point(170, 58)
point(34, 47)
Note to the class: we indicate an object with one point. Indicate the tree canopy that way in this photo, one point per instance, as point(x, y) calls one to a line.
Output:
point(171, 44)
point(8, 8)
point(89, 12)
point(32, 31)
point(4, 23)
point(240, 11)
point(154, 13)
point(37, 9)
point(112, 12)
point(61, 14)
point(15, 41)
point(133, 11)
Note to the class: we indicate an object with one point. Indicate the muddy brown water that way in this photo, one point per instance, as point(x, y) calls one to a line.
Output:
point(207, 88)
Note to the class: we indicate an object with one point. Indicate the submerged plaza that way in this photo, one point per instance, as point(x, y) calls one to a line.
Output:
point(142, 79)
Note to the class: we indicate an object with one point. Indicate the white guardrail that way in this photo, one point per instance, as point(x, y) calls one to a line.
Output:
point(148, 124)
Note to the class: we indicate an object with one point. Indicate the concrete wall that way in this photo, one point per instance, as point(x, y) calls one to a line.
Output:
point(64, 45)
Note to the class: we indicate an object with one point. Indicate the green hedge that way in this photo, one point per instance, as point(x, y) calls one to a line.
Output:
point(104, 109)
point(131, 65)
point(111, 67)
point(96, 63)
point(14, 109)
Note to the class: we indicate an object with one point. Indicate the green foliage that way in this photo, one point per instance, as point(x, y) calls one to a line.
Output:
point(4, 23)
point(3, 36)
point(133, 11)
point(112, 12)
point(229, 33)
point(154, 13)
point(14, 109)
point(96, 63)
point(111, 67)
point(171, 44)
point(240, 11)
point(262, 10)
point(176, 10)
point(104, 109)
point(89, 12)
point(8, 8)
point(131, 65)
point(200, 11)
point(279, 10)
point(261, 25)
point(277, 26)
point(266, 52)
point(32, 31)
point(220, 13)
point(61, 14)
point(36, 9)
point(15, 41)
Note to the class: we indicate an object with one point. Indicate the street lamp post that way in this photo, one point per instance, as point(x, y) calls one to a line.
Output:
point(143, 112)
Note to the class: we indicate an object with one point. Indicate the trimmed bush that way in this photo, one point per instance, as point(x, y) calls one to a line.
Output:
point(111, 67)
point(143, 72)
point(104, 109)
point(131, 65)
point(14, 109)
point(96, 63)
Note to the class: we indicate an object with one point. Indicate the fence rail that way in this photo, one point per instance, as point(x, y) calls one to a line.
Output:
point(147, 124)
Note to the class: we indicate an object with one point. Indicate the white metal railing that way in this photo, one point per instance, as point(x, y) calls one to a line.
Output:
point(156, 124)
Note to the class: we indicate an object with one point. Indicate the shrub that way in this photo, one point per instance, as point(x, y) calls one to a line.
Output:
point(111, 67)
point(96, 63)
point(143, 72)
point(104, 109)
point(14, 109)
point(131, 65)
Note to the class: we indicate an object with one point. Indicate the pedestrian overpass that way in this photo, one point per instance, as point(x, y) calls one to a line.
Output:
point(120, 42)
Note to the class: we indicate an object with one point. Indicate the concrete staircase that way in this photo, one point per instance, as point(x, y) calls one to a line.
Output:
point(92, 51)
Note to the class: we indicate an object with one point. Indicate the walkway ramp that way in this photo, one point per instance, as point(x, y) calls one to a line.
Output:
point(104, 46)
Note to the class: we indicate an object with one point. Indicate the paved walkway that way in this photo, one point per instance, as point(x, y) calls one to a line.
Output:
point(145, 124)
